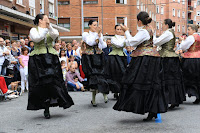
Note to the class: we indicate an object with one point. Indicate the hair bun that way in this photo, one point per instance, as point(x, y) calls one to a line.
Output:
point(149, 20)
point(173, 24)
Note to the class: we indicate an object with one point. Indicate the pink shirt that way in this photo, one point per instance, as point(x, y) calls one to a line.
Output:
point(24, 60)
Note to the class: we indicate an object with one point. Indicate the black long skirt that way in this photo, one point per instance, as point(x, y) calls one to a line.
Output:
point(173, 80)
point(142, 91)
point(191, 75)
point(114, 71)
point(44, 88)
point(94, 70)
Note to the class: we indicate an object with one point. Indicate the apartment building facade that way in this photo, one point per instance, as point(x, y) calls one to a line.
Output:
point(16, 16)
point(108, 13)
point(175, 10)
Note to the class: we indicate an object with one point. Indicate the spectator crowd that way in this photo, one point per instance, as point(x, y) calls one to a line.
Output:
point(14, 56)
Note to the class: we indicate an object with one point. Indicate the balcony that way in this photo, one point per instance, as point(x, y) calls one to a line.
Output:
point(190, 21)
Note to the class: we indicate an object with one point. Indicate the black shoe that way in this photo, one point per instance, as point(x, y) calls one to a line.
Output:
point(150, 117)
point(94, 105)
point(47, 114)
point(197, 101)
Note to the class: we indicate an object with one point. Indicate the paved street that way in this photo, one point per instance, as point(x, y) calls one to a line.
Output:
point(83, 118)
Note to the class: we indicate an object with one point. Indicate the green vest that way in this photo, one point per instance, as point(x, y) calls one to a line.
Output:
point(117, 51)
point(168, 48)
point(40, 47)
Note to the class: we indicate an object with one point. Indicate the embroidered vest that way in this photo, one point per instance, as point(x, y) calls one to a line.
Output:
point(117, 51)
point(90, 50)
point(40, 47)
point(194, 50)
point(146, 48)
point(168, 48)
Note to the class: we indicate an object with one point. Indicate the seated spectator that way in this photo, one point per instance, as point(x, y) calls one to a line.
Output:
point(11, 83)
point(69, 50)
point(3, 87)
point(64, 69)
point(31, 46)
point(81, 87)
point(70, 83)
point(72, 61)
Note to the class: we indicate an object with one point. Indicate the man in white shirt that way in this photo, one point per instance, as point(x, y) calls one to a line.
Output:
point(3, 52)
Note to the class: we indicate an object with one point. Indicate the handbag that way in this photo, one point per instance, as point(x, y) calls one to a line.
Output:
point(5, 63)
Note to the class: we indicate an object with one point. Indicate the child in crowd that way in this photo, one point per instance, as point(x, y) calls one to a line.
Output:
point(81, 87)
point(64, 69)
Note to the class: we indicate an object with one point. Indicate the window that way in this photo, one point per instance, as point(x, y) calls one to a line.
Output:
point(150, 14)
point(138, 4)
point(51, 10)
point(155, 17)
point(195, 4)
point(121, 20)
point(121, 1)
point(146, 9)
point(178, 1)
point(198, 13)
point(173, 12)
point(173, 0)
point(20, 2)
point(179, 13)
point(64, 22)
point(157, 25)
point(198, 2)
point(162, 10)
point(32, 11)
point(141, 7)
point(178, 28)
point(174, 28)
point(195, 18)
point(66, 2)
point(183, 15)
point(32, 7)
point(183, 1)
point(87, 19)
point(41, 6)
point(90, 2)
point(183, 29)
point(161, 25)
point(157, 9)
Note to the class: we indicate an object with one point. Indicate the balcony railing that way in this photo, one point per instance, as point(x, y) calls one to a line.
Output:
point(190, 8)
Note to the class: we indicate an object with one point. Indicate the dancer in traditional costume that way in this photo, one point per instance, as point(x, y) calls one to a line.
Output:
point(142, 91)
point(117, 62)
point(46, 84)
point(190, 47)
point(172, 79)
point(93, 62)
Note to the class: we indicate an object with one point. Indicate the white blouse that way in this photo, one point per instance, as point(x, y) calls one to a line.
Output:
point(141, 36)
point(91, 37)
point(40, 34)
point(118, 41)
point(164, 38)
point(187, 43)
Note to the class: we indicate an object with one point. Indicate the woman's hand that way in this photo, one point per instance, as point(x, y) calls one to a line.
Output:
point(124, 27)
point(179, 52)
point(99, 29)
